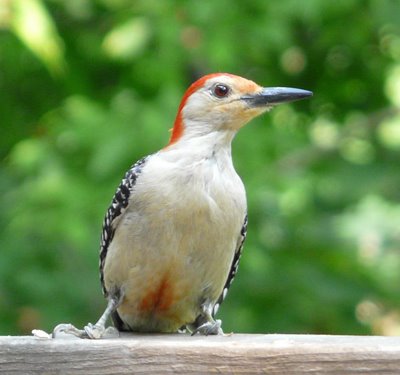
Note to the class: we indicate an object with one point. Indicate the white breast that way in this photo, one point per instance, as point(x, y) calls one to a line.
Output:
point(175, 243)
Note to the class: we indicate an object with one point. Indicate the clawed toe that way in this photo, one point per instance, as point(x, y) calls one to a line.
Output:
point(90, 331)
point(66, 330)
point(97, 331)
point(209, 328)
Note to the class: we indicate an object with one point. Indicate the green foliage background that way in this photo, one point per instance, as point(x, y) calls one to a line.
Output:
point(88, 87)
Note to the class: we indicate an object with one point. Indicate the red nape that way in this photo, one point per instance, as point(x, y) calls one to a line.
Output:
point(177, 130)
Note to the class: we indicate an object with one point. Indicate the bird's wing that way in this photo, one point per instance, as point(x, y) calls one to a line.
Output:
point(234, 266)
point(114, 213)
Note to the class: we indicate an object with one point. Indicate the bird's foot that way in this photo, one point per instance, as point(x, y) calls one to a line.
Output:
point(97, 331)
point(90, 331)
point(209, 328)
point(66, 330)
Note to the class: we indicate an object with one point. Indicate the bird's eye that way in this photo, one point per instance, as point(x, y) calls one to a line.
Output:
point(220, 90)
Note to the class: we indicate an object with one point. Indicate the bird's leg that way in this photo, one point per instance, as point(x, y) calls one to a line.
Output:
point(91, 331)
point(99, 330)
point(205, 323)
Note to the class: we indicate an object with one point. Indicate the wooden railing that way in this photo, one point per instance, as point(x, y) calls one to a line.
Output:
point(183, 354)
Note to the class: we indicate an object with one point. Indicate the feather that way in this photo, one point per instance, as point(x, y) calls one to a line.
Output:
point(118, 205)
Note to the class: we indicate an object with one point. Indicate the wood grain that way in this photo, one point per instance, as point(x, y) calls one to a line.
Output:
point(183, 354)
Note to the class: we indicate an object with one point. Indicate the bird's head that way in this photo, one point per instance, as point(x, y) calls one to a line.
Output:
point(226, 102)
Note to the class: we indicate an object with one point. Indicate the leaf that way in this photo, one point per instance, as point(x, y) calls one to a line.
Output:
point(128, 40)
point(31, 22)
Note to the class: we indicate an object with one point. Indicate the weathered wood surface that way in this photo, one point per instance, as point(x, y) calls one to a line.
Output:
point(183, 354)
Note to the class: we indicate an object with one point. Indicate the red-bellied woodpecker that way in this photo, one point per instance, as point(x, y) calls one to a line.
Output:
point(173, 235)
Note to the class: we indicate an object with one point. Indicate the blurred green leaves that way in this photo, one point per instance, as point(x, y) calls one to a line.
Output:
point(322, 176)
point(128, 40)
point(32, 23)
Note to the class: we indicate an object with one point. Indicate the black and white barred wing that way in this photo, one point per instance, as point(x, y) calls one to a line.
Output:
point(113, 215)
point(234, 266)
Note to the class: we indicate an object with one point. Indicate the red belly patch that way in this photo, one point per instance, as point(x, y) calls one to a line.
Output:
point(158, 300)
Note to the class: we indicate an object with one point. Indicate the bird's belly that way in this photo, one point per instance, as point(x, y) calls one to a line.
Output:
point(166, 266)
point(174, 246)
point(162, 301)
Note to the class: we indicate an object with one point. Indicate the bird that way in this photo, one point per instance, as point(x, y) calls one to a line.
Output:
point(173, 235)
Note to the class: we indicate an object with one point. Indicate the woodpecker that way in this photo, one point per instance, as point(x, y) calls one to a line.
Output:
point(173, 235)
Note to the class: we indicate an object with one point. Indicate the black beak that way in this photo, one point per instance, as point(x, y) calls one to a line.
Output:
point(275, 95)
